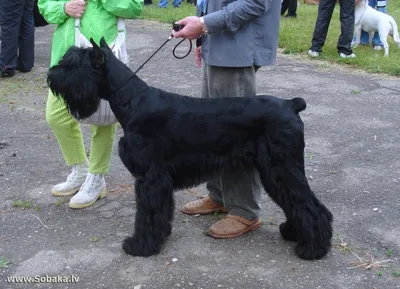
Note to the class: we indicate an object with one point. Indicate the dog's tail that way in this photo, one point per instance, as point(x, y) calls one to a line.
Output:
point(298, 104)
point(395, 31)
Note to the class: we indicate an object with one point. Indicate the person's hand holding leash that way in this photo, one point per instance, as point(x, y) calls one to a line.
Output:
point(75, 8)
point(191, 30)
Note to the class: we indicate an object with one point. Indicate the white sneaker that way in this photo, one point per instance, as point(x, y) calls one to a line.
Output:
point(92, 189)
point(377, 47)
point(313, 53)
point(73, 182)
point(342, 55)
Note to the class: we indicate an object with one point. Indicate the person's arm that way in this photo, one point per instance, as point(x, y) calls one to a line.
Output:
point(53, 10)
point(229, 18)
point(235, 14)
point(124, 8)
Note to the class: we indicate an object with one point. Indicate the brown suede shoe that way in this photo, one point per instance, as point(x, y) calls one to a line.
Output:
point(203, 206)
point(233, 226)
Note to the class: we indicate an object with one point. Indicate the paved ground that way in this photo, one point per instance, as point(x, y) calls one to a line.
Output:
point(352, 161)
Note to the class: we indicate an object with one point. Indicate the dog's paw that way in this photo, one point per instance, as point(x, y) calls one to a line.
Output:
point(310, 251)
point(139, 247)
point(287, 231)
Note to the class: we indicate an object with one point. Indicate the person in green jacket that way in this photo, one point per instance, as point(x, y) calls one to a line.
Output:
point(98, 19)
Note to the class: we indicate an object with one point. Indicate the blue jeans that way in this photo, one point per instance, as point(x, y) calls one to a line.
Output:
point(164, 3)
point(364, 35)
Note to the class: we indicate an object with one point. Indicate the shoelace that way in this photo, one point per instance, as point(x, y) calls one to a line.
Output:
point(88, 185)
point(73, 174)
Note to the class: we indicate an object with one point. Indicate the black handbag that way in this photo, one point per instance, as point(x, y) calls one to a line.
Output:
point(38, 18)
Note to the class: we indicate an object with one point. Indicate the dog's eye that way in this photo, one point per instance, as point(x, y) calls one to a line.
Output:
point(100, 62)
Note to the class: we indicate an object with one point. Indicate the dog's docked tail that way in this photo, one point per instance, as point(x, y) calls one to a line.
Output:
point(395, 32)
point(298, 104)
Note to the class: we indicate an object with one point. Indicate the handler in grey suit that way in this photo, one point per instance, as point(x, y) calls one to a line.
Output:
point(237, 37)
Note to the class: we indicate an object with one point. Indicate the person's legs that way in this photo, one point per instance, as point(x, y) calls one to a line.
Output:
point(94, 187)
point(101, 147)
point(163, 3)
point(10, 20)
point(292, 8)
point(69, 137)
point(176, 3)
point(240, 190)
point(284, 7)
point(325, 11)
point(26, 45)
point(67, 131)
point(347, 27)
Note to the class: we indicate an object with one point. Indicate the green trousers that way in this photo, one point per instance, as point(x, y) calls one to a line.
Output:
point(69, 136)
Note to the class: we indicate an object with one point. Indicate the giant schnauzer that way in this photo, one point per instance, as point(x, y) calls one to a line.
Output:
point(173, 142)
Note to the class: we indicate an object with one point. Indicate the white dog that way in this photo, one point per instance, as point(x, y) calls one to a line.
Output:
point(371, 20)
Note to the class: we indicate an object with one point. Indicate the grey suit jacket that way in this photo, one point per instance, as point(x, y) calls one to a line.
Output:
point(241, 32)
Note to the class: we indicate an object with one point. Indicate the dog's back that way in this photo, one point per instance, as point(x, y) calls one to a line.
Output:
point(374, 20)
point(228, 122)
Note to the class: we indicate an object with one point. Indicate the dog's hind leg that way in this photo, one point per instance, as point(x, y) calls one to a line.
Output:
point(155, 207)
point(383, 37)
point(309, 222)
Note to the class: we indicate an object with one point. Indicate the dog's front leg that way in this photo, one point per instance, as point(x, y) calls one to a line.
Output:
point(358, 36)
point(371, 38)
point(155, 206)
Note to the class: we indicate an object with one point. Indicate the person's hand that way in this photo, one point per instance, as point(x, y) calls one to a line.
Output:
point(75, 8)
point(197, 56)
point(191, 29)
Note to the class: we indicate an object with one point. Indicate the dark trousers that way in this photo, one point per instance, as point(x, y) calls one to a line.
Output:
point(290, 6)
point(325, 10)
point(17, 35)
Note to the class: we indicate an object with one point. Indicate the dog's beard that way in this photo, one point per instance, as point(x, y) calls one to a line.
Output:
point(80, 93)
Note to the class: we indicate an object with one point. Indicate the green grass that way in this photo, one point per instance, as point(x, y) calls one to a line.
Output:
point(296, 34)
point(169, 14)
point(22, 204)
point(4, 263)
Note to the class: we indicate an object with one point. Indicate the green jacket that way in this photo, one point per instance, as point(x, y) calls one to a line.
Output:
point(99, 19)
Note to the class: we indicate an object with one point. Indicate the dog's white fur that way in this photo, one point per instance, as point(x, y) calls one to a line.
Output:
point(371, 20)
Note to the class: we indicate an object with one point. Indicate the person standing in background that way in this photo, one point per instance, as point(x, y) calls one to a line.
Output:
point(291, 7)
point(164, 3)
point(325, 12)
point(17, 37)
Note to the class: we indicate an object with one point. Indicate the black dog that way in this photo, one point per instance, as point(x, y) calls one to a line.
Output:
point(172, 142)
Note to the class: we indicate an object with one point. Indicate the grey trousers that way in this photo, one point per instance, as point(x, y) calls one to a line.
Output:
point(240, 191)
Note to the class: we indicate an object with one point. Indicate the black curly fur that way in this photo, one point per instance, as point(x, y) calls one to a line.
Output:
point(172, 142)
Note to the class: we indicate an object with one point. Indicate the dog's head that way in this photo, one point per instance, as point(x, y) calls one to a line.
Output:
point(80, 78)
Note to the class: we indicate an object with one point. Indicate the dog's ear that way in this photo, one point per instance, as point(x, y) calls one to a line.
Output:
point(104, 44)
point(97, 55)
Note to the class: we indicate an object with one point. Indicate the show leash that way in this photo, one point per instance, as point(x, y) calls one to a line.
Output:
point(175, 27)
